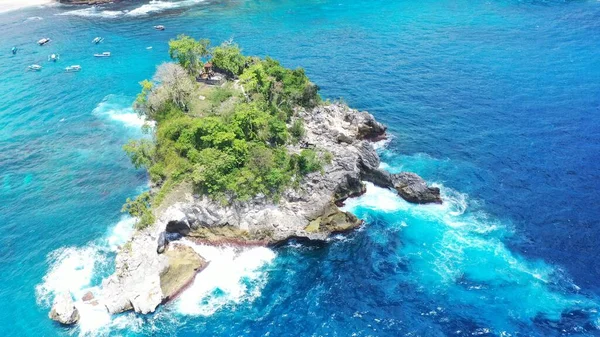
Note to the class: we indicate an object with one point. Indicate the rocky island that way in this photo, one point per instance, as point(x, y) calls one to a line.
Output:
point(242, 151)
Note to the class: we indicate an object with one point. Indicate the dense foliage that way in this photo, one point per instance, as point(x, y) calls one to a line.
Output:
point(232, 152)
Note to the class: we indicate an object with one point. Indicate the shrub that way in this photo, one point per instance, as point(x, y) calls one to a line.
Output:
point(140, 208)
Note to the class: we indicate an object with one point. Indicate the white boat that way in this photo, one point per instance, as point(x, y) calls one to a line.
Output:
point(97, 40)
point(53, 57)
point(159, 27)
point(35, 67)
point(105, 54)
point(73, 68)
point(43, 41)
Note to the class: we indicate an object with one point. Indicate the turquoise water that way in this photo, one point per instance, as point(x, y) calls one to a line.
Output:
point(496, 102)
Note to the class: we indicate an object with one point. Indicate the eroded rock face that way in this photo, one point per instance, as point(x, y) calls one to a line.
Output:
point(414, 189)
point(183, 264)
point(64, 310)
point(150, 270)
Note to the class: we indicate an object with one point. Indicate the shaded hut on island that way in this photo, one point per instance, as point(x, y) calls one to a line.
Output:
point(209, 76)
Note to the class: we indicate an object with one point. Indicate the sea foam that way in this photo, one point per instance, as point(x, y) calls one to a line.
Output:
point(154, 6)
point(233, 275)
point(77, 270)
point(460, 252)
point(119, 109)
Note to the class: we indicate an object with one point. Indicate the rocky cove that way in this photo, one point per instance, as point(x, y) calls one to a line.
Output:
point(157, 264)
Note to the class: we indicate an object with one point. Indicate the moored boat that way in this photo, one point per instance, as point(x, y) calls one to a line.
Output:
point(97, 40)
point(159, 27)
point(53, 57)
point(43, 41)
point(35, 67)
point(73, 68)
point(105, 54)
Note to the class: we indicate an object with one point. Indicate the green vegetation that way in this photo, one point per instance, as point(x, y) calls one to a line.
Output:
point(229, 59)
point(140, 208)
point(189, 52)
point(232, 143)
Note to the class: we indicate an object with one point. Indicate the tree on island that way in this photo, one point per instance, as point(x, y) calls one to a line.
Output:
point(189, 52)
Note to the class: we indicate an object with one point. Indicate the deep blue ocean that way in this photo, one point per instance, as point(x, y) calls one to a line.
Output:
point(496, 102)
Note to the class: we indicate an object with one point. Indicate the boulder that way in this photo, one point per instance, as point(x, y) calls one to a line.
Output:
point(369, 128)
point(183, 265)
point(64, 310)
point(350, 186)
point(161, 243)
point(414, 189)
point(87, 296)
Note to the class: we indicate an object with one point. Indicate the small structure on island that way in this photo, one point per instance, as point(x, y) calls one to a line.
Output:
point(208, 75)
point(208, 69)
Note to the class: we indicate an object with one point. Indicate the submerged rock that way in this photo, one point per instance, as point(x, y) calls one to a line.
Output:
point(414, 189)
point(64, 310)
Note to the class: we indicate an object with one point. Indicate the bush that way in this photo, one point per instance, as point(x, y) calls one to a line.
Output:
point(297, 130)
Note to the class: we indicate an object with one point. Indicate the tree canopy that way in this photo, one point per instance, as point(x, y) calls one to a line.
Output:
point(232, 153)
point(189, 52)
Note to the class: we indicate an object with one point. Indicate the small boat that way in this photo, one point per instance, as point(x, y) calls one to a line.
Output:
point(74, 68)
point(43, 41)
point(148, 48)
point(53, 57)
point(105, 54)
point(14, 50)
point(97, 40)
point(159, 27)
point(35, 67)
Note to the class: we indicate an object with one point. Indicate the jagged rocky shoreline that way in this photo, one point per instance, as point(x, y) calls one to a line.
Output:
point(155, 266)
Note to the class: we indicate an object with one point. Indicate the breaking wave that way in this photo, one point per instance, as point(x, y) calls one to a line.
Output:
point(94, 11)
point(459, 253)
point(152, 7)
point(119, 109)
point(77, 270)
point(233, 275)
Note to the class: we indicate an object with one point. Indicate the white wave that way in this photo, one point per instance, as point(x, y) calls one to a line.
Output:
point(75, 269)
point(159, 6)
point(120, 110)
point(382, 144)
point(377, 199)
point(233, 275)
point(154, 6)
point(71, 270)
point(94, 11)
point(33, 18)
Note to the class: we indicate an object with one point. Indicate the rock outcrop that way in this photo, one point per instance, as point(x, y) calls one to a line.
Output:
point(183, 265)
point(414, 189)
point(64, 310)
point(153, 267)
